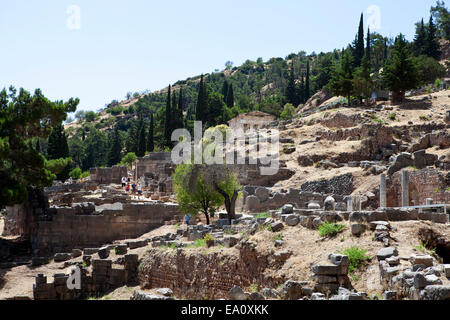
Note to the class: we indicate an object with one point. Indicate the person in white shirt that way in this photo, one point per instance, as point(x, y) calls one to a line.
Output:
point(124, 182)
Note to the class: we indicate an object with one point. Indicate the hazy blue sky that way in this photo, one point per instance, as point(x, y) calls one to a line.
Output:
point(135, 45)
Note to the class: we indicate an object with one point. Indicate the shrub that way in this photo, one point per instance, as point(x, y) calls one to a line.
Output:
point(330, 229)
point(357, 258)
point(265, 215)
point(288, 112)
point(75, 173)
point(392, 116)
point(253, 288)
point(200, 243)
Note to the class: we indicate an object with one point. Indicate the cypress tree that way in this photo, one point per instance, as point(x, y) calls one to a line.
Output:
point(307, 84)
point(359, 43)
point(225, 90)
point(151, 141)
point(168, 120)
point(230, 97)
point(432, 46)
point(142, 143)
point(368, 47)
point(115, 152)
point(180, 110)
point(291, 94)
point(174, 112)
point(202, 106)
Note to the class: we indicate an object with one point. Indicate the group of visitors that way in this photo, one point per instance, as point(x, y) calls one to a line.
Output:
point(129, 185)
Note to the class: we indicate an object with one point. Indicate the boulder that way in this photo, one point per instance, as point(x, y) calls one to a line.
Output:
point(263, 194)
point(236, 293)
point(287, 209)
point(385, 253)
point(435, 292)
point(329, 204)
point(425, 260)
point(61, 257)
point(139, 295)
point(292, 220)
point(358, 229)
point(277, 226)
point(103, 253)
point(165, 292)
point(291, 290)
point(76, 253)
point(313, 206)
point(270, 293)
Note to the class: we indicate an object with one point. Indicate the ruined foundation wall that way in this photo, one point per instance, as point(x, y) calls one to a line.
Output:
point(198, 276)
point(108, 175)
point(423, 184)
point(67, 230)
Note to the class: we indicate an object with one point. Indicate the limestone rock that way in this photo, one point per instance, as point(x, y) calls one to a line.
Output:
point(236, 293)
point(292, 220)
point(385, 253)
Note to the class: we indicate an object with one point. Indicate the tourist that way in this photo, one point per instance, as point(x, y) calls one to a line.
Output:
point(127, 189)
point(133, 187)
point(124, 182)
point(139, 189)
point(187, 218)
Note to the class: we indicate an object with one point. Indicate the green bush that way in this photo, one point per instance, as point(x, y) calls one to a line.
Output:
point(330, 229)
point(265, 215)
point(75, 173)
point(392, 116)
point(357, 258)
point(288, 112)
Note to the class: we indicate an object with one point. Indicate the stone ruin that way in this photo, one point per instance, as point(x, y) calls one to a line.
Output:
point(108, 175)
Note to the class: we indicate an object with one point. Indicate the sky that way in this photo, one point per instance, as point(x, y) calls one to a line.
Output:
point(100, 50)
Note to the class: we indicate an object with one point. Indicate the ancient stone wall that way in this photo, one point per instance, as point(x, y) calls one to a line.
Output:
point(205, 276)
point(157, 163)
point(104, 277)
point(423, 184)
point(108, 175)
point(70, 229)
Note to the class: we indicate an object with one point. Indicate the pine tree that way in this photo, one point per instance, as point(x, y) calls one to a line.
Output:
point(151, 141)
point(174, 112)
point(57, 144)
point(307, 94)
point(363, 82)
point(432, 46)
point(168, 120)
point(342, 81)
point(359, 44)
point(400, 73)
point(230, 97)
point(420, 39)
point(115, 152)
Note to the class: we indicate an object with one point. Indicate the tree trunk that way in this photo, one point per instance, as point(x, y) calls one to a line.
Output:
point(230, 203)
point(207, 218)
